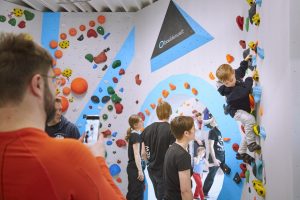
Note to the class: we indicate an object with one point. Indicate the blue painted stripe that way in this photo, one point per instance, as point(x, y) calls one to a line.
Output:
point(50, 29)
point(125, 55)
point(210, 98)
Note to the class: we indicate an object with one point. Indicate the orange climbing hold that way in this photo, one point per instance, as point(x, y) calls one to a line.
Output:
point(66, 91)
point(152, 105)
point(252, 102)
point(62, 81)
point(172, 86)
point(165, 93)
point(79, 85)
point(159, 100)
point(229, 58)
point(211, 76)
point(261, 111)
point(57, 71)
point(82, 27)
point(194, 91)
point(64, 103)
point(58, 54)
point(53, 44)
point(72, 31)
point(226, 139)
point(186, 85)
point(101, 19)
point(63, 36)
point(147, 112)
point(92, 23)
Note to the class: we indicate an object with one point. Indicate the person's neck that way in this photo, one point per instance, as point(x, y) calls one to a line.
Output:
point(182, 142)
point(164, 120)
point(53, 122)
point(22, 116)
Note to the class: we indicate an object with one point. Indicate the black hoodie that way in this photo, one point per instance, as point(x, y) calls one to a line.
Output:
point(237, 97)
point(64, 129)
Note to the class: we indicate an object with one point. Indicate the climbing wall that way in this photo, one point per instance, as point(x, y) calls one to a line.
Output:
point(18, 19)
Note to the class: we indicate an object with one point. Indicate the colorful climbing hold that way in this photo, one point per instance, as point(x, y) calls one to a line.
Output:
point(235, 147)
point(22, 24)
point(110, 107)
point(101, 19)
point(211, 76)
point(229, 58)
point(226, 139)
point(115, 80)
point(91, 33)
point(138, 81)
point(106, 35)
point(72, 31)
point(119, 180)
point(110, 90)
point(64, 44)
point(92, 23)
point(116, 64)
point(118, 108)
point(67, 73)
point(194, 91)
point(141, 115)
point(53, 44)
point(121, 71)
point(106, 133)
point(152, 105)
point(104, 67)
point(89, 57)
point(186, 85)
point(12, 21)
point(104, 117)
point(79, 85)
point(172, 86)
point(63, 36)
point(66, 91)
point(114, 169)
point(121, 143)
point(18, 12)
point(115, 98)
point(82, 27)
point(240, 22)
point(147, 112)
point(28, 15)
point(2, 18)
point(243, 44)
point(64, 104)
point(105, 99)
point(58, 54)
point(100, 30)
point(95, 99)
point(80, 38)
point(165, 93)
point(100, 58)
point(247, 24)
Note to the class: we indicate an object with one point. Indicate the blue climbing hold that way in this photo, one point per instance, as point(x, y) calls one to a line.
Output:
point(263, 133)
point(253, 60)
point(100, 89)
point(109, 143)
point(114, 134)
point(95, 66)
point(261, 53)
point(114, 169)
point(256, 91)
point(121, 90)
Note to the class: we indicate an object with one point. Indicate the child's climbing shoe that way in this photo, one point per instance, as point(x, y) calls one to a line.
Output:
point(253, 147)
point(225, 168)
point(245, 157)
point(256, 129)
point(241, 156)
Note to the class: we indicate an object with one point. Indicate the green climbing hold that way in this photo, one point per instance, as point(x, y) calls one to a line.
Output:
point(110, 107)
point(247, 24)
point(28, 15)
point(89, 57)
point(115, 98)
point(100, 30)
point(104, 117)
point(116, 63)
point(247, 174)
point(110, 90)
point(12, 21)
point(2, 18)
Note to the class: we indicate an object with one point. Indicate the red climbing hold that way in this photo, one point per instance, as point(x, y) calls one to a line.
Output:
point(100, 58)
point(119, 108)
point(138, 81)
point(235, 147)
point(240, 22)
point(106, 133)
point(115, 80)
point(121, 143)
point(121, 71)
point(243, 44)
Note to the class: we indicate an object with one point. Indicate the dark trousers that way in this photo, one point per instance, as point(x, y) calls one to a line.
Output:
point(210, 179)
point(156, 177)
point(135, 186)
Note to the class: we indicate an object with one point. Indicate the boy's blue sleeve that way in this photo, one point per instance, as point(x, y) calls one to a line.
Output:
point(241, 71)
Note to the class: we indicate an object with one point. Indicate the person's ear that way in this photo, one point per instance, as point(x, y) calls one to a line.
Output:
point(37, 85)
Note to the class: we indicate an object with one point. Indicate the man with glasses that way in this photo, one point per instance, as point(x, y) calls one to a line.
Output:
point(33, 165)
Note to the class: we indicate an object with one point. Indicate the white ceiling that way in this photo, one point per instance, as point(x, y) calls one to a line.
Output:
point(84, 5)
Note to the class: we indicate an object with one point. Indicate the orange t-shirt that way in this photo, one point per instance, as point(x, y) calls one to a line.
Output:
point(35, 166)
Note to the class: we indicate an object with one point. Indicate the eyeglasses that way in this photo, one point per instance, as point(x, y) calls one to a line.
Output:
point(54, 79)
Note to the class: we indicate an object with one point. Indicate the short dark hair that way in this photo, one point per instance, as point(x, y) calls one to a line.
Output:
point(180, 124)
point(20, 60)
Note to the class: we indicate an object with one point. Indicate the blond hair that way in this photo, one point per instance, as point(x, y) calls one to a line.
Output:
point(163, 110)
point(224, 72)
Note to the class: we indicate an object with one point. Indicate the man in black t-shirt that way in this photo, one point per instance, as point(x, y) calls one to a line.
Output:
point(216, 154)
point(157, 138)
